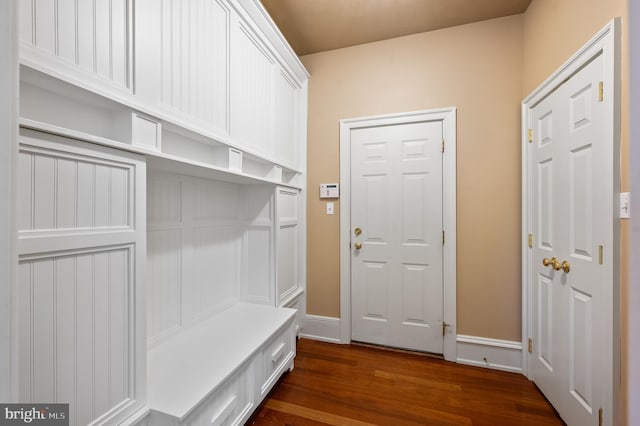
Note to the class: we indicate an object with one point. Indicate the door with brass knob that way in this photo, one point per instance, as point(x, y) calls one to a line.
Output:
point(396, 236)
point(568, 216)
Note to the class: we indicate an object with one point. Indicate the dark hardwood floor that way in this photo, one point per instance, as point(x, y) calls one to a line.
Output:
point(356, 385)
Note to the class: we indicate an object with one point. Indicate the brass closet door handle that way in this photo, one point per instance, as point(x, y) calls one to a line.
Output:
point(555, 264)
point(358, 246)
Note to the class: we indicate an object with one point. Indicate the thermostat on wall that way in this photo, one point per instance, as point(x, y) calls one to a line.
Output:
point(329, 190)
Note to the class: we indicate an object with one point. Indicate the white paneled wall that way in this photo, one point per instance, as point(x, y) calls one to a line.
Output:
point(252, 91)
point(91, 36)
point(68, 192)
point(286, 107)
point(199, 64)
point(75, 332)
point(191, 48)
point(257, 215)
point(81, 244)
point(194, 250)
point(287, 244)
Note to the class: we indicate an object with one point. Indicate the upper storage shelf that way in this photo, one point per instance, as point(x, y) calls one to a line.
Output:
point(241, 106)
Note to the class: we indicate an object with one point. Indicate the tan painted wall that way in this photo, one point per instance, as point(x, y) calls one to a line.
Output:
point(476, 68)
point(553, 32)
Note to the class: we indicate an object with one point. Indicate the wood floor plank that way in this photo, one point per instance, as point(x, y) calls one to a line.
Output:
point(311, 414)
point(359, 385)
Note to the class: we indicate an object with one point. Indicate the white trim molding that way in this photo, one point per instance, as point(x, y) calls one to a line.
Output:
point(448, 118)
point(325, 329)
point(633, 284)
point(496, 354)
point(8, 160)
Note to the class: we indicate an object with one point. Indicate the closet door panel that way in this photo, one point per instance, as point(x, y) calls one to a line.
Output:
point(287, 244)
point(258, 245)
point(182, 50)
point(252, 89)
point(81, 288)
point(85, 40)
point(286, 117)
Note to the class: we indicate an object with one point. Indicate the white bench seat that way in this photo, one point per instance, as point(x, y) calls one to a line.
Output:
point(225, 364)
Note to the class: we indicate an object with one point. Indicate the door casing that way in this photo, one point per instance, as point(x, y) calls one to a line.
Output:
point(448, 118)
point(606, 41)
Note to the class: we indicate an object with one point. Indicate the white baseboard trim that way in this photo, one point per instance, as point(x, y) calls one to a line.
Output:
point(326, 329)
point(497, 354)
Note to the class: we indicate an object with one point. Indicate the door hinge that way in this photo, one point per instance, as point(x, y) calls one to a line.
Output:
point(600, 417)
point(601, 91)
point(600, 255)
point(530, 348)
point(530, 240)
point(530, 133)
point(443, 146)
point(444, 328)
point(442, 237)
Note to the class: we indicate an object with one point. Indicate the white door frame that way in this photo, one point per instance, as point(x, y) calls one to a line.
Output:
point(606, 42)
point(8, 236)
point(448, 118)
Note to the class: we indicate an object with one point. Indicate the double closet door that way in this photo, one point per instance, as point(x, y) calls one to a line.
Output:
point(568, 193)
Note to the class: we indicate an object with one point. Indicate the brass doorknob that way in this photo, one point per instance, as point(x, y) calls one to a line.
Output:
point(553, 262)
point(358, 246)
point(357, 231)
point(566, 267)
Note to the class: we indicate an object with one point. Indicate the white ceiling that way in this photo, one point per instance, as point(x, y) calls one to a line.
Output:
point(313, 26)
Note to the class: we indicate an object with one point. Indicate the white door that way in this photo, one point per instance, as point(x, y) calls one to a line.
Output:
point(396, 221)
point(568, 189)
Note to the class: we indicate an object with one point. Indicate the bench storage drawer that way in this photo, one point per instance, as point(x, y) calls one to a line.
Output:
point(277, 356)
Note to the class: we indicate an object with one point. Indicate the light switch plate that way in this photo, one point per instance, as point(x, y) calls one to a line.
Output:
point(625, 205)
point(329, 208)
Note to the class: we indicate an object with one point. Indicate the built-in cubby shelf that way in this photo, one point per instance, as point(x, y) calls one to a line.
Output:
point(55, 106)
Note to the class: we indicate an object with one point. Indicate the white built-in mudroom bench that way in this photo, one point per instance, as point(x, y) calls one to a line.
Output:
point(160, 208)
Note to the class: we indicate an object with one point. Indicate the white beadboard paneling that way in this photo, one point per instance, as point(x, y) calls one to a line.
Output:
point(26, 21)
point(258, 260)
point(215, 275)
point(194, 251)
point(287, 244)
point(188, 43)
point(164, 198)
point(258, 247)
point(44, 16)
point(287, 205)
point(257, 204)
point(287, 254)
point(215, 200)
point(87, 36)
point(286, 117)
point(164, 282)
point(64, 190)
point(74, 331)
point(81, 277)
point(252, 87)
